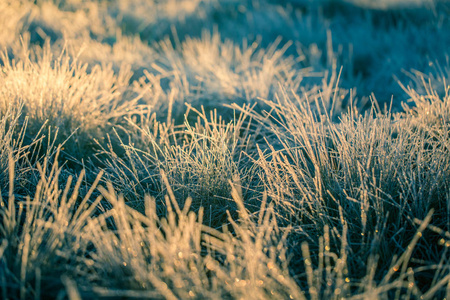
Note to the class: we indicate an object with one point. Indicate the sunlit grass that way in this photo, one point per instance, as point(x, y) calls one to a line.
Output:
point(224, 149)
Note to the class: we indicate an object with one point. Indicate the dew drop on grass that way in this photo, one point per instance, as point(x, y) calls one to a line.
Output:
point(89, 262)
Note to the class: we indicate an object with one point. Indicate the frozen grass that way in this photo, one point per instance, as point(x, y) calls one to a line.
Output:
point(372, 174)
point(60, 93)
point(224, 149)
point(120, 252)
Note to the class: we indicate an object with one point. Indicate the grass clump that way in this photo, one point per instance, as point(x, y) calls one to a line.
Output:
point(373, 174)
point(40, 236)
point(196, 161)
point(176, 256)
point(55, 242)
point(60, 93)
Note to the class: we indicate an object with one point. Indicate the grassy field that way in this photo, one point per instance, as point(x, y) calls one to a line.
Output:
point(206, 149)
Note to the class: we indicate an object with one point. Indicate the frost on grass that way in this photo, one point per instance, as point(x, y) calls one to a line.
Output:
point(58, 236)
point(59, 92)
point(224, 149)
